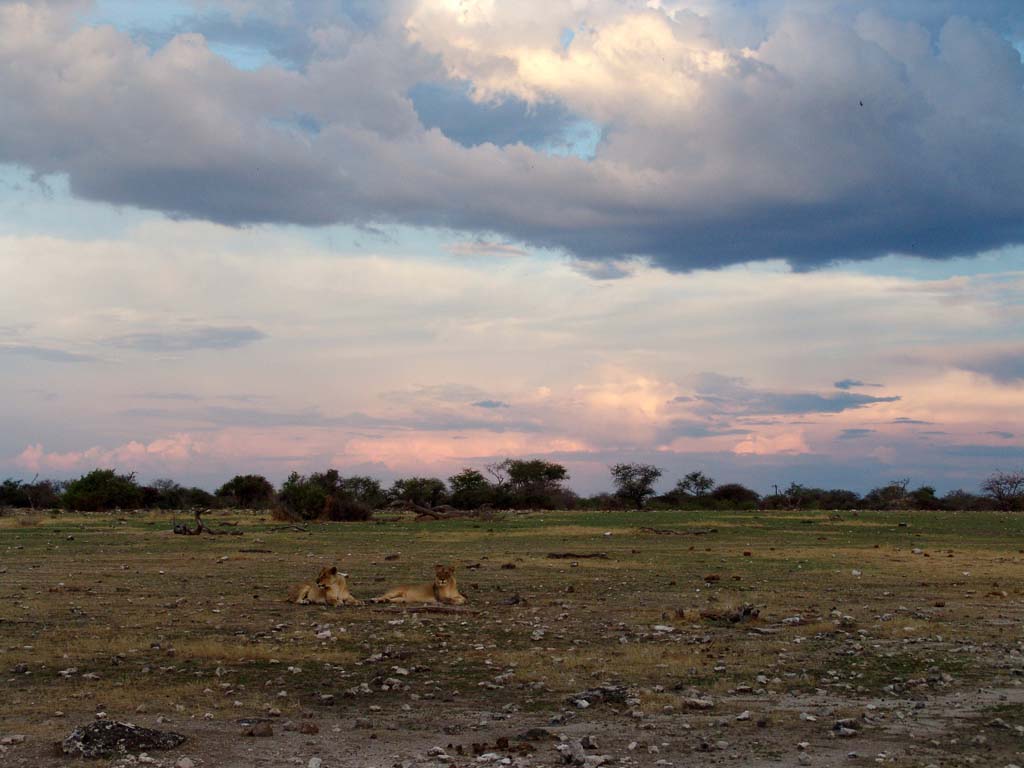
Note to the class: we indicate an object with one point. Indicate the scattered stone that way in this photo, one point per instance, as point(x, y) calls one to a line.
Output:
point(107, 738)
point(695, 702)
point(314, 762)
point(308, 728)
point(184, 762)
point(262, 730)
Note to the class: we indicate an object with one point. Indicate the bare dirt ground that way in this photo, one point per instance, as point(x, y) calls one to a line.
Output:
point(870, 639)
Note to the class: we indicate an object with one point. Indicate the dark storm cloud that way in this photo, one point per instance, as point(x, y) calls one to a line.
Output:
point(847, 136)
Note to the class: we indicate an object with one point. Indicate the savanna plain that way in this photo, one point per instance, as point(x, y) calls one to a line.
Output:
point(589, 638)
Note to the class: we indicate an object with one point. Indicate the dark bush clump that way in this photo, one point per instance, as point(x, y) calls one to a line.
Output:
point(101, 490)
point(321, 496)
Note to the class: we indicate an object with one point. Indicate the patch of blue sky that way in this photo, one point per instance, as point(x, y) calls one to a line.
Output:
point(579, 138)
point(566, 39)
point(154, 22)
point(546, 126)
point(30, 205)
point(244, 56)
point(135, 15)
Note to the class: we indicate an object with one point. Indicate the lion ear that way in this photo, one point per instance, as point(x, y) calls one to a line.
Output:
point(334, 569)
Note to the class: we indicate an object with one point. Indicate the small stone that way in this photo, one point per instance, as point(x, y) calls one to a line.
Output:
point(308, 728)
point(744, 715)
point(314, 762)
point(184, 762)
point(260, 729)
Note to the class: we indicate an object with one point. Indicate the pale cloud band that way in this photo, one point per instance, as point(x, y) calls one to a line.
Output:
point(413, 364)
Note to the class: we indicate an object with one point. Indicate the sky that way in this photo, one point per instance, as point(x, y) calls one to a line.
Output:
point(773, 240)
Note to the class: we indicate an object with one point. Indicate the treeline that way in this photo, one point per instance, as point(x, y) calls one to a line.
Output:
point(508, 484)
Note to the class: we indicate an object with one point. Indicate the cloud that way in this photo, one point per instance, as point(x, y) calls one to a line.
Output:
point(832, 131)
point(855, 433)
point(490, 404)
point(1002, 367)
point(209, 337)
point(484, 248)
point(905, 420)
point(851, 383)
point(1001, 434)
point(46, 354)
point(724, 394)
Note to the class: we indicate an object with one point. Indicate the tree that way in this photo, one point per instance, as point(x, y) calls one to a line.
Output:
point(734, 496)
point(424, 491)
point(695, 484)
point(470, 489)
point(1006, 489)
point(634, 482)
point(247, 491)
point(891, 496)
point(321, 496)
point(535, 484)
point(101, 490)
point(363, 489)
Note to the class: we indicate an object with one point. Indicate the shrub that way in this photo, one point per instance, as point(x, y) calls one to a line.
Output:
point(470, 490)
point(734, 496)
point(101, 490)
point(321, 496)
point(424, 491)
point(247, 491)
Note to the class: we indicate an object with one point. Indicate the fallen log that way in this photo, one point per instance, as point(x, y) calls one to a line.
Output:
point(182, 529)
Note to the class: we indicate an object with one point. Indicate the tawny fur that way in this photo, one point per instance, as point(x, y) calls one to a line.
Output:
point(442, 590)
point(330, 588)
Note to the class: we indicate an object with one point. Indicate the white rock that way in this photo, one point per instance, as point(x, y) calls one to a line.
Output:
point(314, 762)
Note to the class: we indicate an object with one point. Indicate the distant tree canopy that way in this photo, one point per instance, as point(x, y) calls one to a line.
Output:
point(508, 484)
point(1006, 489)
point(470, 489)
point(323, 496)
point(634, 482)
point(102, 490)
point(247, 491)
point(424, 491)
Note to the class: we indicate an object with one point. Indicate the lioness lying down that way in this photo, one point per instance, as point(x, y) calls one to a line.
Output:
point(330, 588)
point(442, 590)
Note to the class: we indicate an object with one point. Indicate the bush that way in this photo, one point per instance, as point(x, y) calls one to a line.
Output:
point(470, 490)
point(733, 496)
point(424, 491)
point(14, 494)
point(102, 490)
point(321, 496)
point(247, 491)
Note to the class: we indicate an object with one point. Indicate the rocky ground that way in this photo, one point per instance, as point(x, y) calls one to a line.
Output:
point(734, 640)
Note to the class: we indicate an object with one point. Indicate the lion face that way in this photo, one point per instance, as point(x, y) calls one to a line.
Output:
point(329, 577)
point(443, 575)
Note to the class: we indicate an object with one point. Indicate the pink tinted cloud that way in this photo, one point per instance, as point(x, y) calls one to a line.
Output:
point(175, 450)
